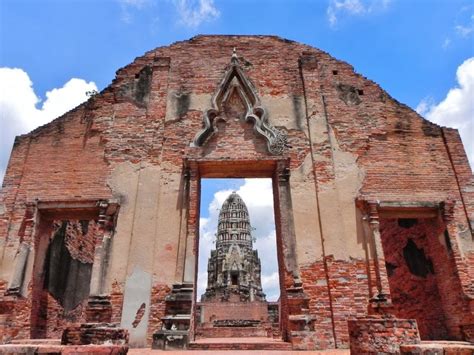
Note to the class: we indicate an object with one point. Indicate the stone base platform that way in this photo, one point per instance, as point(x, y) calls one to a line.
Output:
point(221, 311)
point(251, 343)
point(232, 332)
point(94, 333)
point(52, 349)
point(439, 348)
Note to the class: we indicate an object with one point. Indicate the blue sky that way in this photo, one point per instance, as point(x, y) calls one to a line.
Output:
point(53, 51)
point(412, 48)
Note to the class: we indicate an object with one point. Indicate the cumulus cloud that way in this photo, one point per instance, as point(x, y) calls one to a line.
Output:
point(456, 110)
point(341, 8)
point(194, 12)
point(19, 111)
point(258, 196)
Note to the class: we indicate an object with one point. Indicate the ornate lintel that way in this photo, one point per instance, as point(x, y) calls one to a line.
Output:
point(235, 79)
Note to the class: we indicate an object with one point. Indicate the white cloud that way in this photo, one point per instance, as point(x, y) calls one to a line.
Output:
point(456, 110)
point(464, 31)
point(340, 8)
point(135, 3)
point(446, 43)
point(194, 12)
point(191, 13)
point(465, 22)
point(19, 113)
point(258, 196)
point(128, 5)
point(271, 284)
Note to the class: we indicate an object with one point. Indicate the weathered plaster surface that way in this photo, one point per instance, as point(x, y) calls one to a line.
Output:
point(137, 292)
point(348, 180)
point(286, 111)
point(193, 102)
point(305, 212)
point(123, 182)
point(168, 229)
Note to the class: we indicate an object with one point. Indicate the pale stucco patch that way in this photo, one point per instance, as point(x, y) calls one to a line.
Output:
point(137, 292)
point(197, 102)
point(305, 212)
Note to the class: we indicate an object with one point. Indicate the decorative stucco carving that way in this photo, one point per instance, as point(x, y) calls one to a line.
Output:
point(235, 80)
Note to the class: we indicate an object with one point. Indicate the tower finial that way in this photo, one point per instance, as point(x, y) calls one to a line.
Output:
point(234, 58)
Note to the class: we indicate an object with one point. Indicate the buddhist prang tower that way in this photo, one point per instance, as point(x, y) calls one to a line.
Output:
point(234, 266)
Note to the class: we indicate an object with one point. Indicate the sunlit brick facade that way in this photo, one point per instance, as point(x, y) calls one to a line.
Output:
point(374, 205)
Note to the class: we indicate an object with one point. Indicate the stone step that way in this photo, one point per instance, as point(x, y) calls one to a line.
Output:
point(439, 347)
point(36, 341)
point(243, 343)
point(50, 349)
point(231, 332)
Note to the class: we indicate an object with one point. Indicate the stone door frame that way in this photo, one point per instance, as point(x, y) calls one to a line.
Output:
point(278, 170)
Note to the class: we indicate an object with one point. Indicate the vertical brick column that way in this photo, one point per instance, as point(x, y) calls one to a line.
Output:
point(185, 205)
point(99, 307)
point(192, 242)
point(192, 239)
point(26, 231)
point(462, 309)
point(382, 299)
point(285, 227)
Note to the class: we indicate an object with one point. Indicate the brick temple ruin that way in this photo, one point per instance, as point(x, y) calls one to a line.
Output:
point(374, 206)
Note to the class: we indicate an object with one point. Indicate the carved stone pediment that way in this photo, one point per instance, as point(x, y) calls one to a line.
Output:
point(236, 93)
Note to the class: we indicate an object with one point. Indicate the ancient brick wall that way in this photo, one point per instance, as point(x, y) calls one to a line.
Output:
point(348, 140)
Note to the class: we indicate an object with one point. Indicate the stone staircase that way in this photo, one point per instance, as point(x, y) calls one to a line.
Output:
point(237, 335)
point(231, 332)
point(239, 343)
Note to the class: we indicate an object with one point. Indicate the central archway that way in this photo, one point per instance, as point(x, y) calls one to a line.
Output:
point(277, 171)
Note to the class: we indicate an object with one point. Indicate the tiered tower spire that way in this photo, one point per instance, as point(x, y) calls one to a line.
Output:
point(234, 268)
